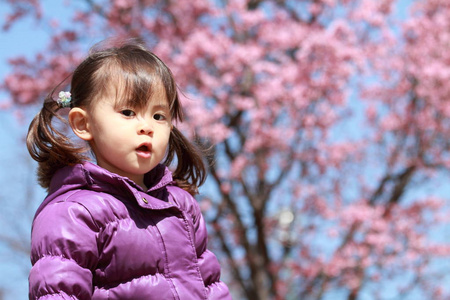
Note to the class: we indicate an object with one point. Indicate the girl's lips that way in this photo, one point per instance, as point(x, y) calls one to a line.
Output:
point(144, 150)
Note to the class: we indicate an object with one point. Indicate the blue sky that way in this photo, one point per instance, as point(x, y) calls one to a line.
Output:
point(17, 172)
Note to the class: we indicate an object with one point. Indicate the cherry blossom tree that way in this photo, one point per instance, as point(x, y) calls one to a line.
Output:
point(325, 121)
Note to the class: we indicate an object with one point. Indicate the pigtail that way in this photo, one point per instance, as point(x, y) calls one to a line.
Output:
point(51, 148)
point(190, 172)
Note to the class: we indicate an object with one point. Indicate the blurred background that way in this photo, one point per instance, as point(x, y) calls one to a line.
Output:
point(328, 123)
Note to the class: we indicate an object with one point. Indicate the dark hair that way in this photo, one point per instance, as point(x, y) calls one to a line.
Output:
point(139, 70)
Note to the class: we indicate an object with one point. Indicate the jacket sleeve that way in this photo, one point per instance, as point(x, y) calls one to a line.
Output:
point(63, 252)
point(208, 263)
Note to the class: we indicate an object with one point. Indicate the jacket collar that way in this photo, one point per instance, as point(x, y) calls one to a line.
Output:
point(89, 176)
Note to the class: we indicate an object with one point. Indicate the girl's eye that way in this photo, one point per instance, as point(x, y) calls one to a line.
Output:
point(128, 113)
point(159, 117)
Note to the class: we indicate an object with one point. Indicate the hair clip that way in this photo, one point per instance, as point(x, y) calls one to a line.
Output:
point(64, 99)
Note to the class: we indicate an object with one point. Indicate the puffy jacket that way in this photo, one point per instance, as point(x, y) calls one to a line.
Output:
point(98, 235)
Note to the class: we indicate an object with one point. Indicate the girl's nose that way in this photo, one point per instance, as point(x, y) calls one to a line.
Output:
point(145, 128)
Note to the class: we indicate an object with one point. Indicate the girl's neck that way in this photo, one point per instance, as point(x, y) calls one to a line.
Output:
point(142, 185)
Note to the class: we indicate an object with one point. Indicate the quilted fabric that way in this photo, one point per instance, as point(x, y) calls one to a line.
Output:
point(98, 235)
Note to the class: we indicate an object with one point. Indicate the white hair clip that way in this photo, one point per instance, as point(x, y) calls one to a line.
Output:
point(64, 99)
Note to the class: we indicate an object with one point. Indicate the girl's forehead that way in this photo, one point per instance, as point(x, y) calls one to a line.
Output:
point(126, 92)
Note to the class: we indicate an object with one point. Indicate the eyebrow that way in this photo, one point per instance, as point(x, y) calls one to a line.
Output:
point(161, 106)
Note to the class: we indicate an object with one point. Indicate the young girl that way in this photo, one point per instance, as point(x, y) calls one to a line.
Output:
point(125, 227)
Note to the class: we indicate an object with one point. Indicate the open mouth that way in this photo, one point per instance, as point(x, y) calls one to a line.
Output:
point(143, 148)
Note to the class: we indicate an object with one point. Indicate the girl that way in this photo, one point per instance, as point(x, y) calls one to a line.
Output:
point(125, 227)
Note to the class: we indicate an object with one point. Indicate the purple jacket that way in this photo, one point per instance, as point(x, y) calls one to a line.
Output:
point(100, 236)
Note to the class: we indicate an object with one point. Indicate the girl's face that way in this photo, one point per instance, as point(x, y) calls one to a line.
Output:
point(129, 141)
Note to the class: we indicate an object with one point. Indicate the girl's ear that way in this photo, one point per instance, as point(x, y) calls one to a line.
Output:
point(79, 121)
